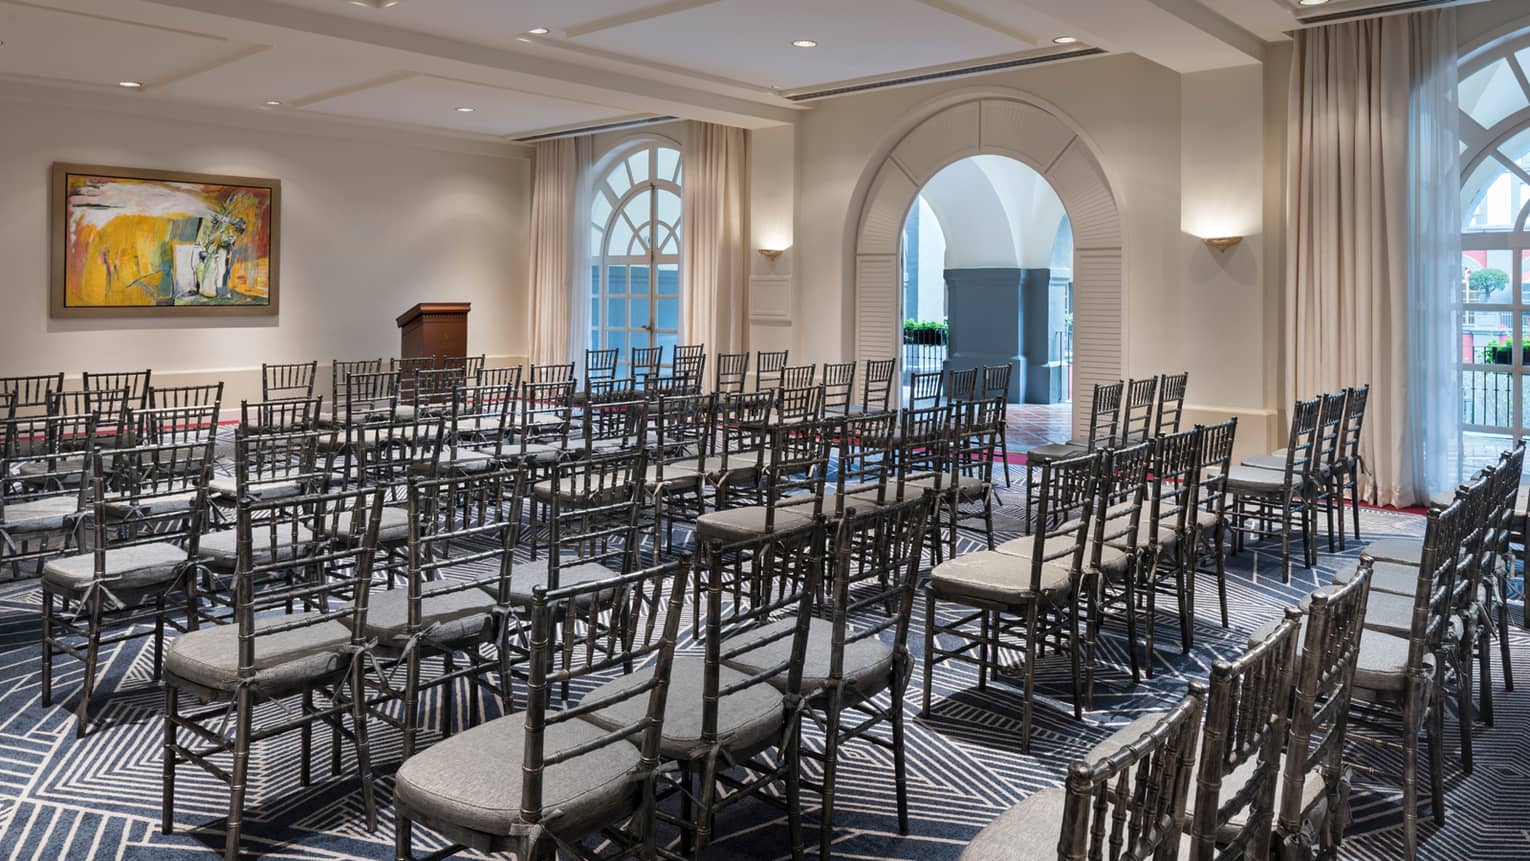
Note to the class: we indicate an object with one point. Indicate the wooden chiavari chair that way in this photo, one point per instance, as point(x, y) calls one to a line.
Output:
point(732, 373)
point(768, 369)
point(291, 380)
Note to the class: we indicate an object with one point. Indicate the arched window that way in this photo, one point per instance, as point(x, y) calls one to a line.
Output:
point(1495, 246)
point(635, 243)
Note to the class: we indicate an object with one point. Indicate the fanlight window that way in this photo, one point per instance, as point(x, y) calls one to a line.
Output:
point(635, 241)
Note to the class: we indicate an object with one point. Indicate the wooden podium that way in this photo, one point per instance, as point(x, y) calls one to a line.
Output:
point(436, 329)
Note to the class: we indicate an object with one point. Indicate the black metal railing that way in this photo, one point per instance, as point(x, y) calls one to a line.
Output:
point(1487, 398)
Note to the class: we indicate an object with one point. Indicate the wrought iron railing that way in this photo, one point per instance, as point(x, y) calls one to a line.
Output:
point(1487, 399)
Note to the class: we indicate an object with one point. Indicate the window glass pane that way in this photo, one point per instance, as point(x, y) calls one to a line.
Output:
point(669, 206)
point(1524, 276)
point(669, 242)
point(1492, 197)
point(1488, 398)
point(594, 280)
point(1517, 148)
point(616, 312)
point(669, 163)
point(669, 279)
point(637, 164)
point(669, 314)
point(668, 342)
point(637, 208)
point(639, 279)
point(619, 182)
point(600, 210)
point(1487, 337)
point(639, 313)
point(594, 312)
point(1487, 277)
point(1492, 93)
point(1480, 450)
point(637, 340)
point(639, 244)
point(616, 279)
point(621, 237)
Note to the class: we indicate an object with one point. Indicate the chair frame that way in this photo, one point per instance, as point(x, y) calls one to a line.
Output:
point(290, 380)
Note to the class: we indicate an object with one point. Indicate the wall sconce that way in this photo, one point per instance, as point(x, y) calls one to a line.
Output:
point(1222, 243)
point(772, 253)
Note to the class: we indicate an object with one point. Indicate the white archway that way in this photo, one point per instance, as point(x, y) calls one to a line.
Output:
point(999, 123)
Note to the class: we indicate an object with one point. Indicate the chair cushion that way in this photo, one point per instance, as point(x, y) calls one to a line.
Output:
point(227, 487)
point(677, 475)
point(536, 452)
point(152, 505)
point(969, 486)
point(526, 578)
point(473, 779)
point(743, 523)
point(1383, 663)
point(988, 575)
point(393, 527)
point(746, 719)
point(467, 460)
point(1391, 577)
point(1112, 559)
point(1277, 462)
point(209, 657)
point(1029, 831)
point(64, 463)
point(1408, 551)
point(42, 514)
point(1056, 451)
point(222, 547)
point(137, 566)
point(456, 615)
point(1252, 479)
point(868, 662)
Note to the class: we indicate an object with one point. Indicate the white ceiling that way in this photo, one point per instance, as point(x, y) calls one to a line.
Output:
point(602, 61)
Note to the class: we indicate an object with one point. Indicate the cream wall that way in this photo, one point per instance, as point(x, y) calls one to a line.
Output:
point(371, 224)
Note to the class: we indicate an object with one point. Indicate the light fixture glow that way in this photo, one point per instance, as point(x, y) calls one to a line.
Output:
point(273, 103)
point(465, 110)
point(1065, 40)
point(131, 85)
point(374, 4)
point(804, 43)
point(539, 31)
point(1311, 2)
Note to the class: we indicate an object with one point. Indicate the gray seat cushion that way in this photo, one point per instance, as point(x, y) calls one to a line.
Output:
point(1002, 578)
point(1112, 559)
point(1391, 577)
point(739, 524)
point(473, 779)
point(1383, 664)
point(526, 578)
point(746, 719)
point(135, 567)
point(64, 463)
point(1253, 480)
point(536, 452)
point(1029, 831)
point(1386, 612)
point(151, 505)
point(867, 665)
point(209, 657)
point(678, 475)
point(393, 527)
point(1408, 551)
point(1277, 462)
point(227, 487)
point(467, 460)
point(450, 617)
point(222, 547)
point(1056, 451)
point(968, 486)
point(43, 514)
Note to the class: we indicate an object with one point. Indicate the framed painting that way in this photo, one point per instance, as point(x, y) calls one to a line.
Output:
point(140, 243)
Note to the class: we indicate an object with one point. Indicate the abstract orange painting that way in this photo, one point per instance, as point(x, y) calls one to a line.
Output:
point(139, 242)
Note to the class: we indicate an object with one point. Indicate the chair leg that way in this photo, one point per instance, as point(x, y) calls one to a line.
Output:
point(1437, 763)
point(1483, 643)
point(1354, 499)
point(305, 740)
point(929, 651)
point(1464, 698)
point(47, 647)
point(1411, 728)
point(449, 695)
point(985, 656)
point(1500, 590)
point(159, 637)
point(168, 762)
point(1073, 656)
point(830, 764)
point(244, 708)
point(363, 747)
point(411, 716)
point(92, 662)
point(1030, 676)
point(900, 765)
point(1285, 541)
point(793, 756)
point(403, 839)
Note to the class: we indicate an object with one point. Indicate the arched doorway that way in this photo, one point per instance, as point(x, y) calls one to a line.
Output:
point(997, 122)
point(988, 280)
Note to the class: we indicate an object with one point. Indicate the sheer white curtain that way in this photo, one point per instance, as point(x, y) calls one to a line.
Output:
point(714, 265)
point(558, 232)
point(1368, 238)
point(579, 289)
point(1434, 253)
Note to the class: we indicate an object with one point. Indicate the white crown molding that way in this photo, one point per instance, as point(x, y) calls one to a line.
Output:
point(53, 93)
point(644, 14)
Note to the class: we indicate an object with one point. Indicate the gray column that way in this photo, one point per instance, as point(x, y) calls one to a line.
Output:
point(1003, 316)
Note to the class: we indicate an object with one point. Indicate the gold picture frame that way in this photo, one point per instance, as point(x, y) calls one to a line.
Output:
point(128, 242)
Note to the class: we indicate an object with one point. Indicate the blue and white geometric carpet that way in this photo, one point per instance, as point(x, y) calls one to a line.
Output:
point(99, 797)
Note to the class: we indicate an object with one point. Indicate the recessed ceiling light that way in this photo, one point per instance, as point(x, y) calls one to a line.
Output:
point(374, 4)
point(465, 110)
point(1065, 40)
point(539, 31)
point(273, 103)
point(804, 43)
point(1310, 2)
point(131, 85)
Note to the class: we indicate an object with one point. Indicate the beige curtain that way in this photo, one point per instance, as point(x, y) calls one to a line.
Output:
point(714, 268)
point(556, 233)
point(1347, 266)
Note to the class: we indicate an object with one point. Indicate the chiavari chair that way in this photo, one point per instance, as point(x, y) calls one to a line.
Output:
point(732, 372)
point(42, 492)
point(677, 475)
point(769, 367)
point(470, 366)
point(1105, 403)
point(1171, 403)
point(291, 380)
point(1266, 501)
point(838, 387)
point(644, 365)
point(135, 382)
point(690, 363)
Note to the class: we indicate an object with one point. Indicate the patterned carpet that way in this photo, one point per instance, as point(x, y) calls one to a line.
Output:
point(99, 798)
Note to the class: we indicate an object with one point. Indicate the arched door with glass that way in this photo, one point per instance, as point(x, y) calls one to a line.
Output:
point(635, 240)
point(1495, 246)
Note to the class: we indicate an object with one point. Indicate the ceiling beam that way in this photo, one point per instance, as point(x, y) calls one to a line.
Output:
point(982, 20)
point(633, 17)
point(594, 85)
point(1212, 24)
